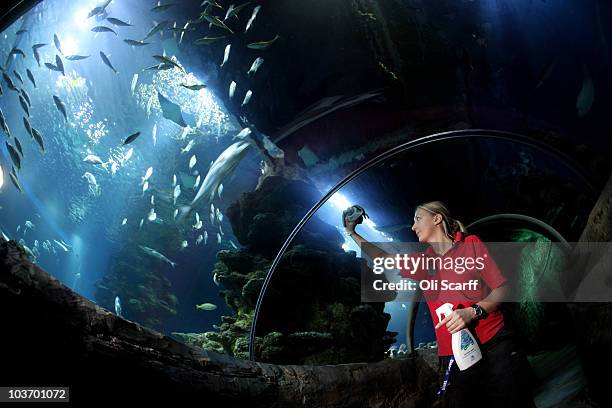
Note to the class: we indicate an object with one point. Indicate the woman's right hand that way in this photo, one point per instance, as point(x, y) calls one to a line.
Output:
point(349, 227)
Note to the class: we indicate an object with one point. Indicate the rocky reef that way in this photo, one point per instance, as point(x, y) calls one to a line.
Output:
point(58, 337)
point(312, 313)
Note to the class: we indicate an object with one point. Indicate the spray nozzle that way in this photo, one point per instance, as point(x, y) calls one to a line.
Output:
point(445, 310)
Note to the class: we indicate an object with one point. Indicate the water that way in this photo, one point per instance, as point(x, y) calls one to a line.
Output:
point(86, 213)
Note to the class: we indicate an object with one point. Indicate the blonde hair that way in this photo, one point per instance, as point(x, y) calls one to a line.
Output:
point(450, 225)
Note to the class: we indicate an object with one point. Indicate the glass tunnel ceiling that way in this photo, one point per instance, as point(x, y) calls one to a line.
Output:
point(497, 183)
point(105, 214)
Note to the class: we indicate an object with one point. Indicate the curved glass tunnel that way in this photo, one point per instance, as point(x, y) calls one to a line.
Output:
point(311, 311)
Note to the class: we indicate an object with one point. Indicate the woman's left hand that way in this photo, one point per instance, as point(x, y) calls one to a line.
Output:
point(457, 320)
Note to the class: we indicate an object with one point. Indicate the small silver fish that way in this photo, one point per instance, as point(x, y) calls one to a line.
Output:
point(31, 77)
point(103, 29)
point(255, 65)
point(226, 54)
point(262, 45)
point(107, 61)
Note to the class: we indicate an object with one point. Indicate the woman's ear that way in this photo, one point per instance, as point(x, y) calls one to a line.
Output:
point(437, 218)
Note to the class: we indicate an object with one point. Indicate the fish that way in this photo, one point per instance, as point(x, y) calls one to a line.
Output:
point(118, 310)
point(197, 182)
point(113, 168)
point(192, 161)
point(233, 11)
point(181, 29)
point(131, 138)
point(176, 193)
point(52, 67)
point(135, 43)
point(212, 3)
point(57, 43)
point(103, 29)
point(218, 238)
point(165, 60)
point(145, 187)
point(27, 125)
point(156, 254)
point(226, 54)
point(141, 222)
point(25, 95)
point(252, 19)
point(35, 48)
point(91, 179)
point(154, 134)
point(195, 87)
point(205, 237)
point(255, 65)
point(247, 97)
point(157, 28)
point(199, 239)
point(586, 95)
point(18, 146)
point(219, 191)
point(152, 215)
point(24, 105)
point(99, 9)
point(208, 40)
point(118, 23)
point(17, 51)
point(60, 107)
point(219, 216)
point(159, 67)
point(161, 7)
point(206, 306)
point(243, 134)
point(232, 89)
point(15, 181)
point(221, 168)
point(31, 77)
point(38, 137)
point(262, 45)
point(184, 244)
point(59, 64)
point(4, 124)
point(22, 31)
point(148, 174)
point(173, 180)
point(187, 148)
point(134, 82)
point(107, 62)
point(171, 111)
point(214, 21)
point(152, 199)
point(124, 221)
point(18, 76)
point(76, 57)
point(128, 155)
point(9, 82)
point(175, 213)
point(93, 159)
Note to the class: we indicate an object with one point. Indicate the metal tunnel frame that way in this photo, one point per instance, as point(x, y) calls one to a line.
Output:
point(434, 138)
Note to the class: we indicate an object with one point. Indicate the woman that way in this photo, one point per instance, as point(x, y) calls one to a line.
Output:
point(503, 378)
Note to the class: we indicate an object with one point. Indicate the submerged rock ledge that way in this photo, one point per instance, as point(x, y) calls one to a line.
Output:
point(52, 336)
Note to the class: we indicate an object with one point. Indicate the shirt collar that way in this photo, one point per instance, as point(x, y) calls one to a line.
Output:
point(458, 237)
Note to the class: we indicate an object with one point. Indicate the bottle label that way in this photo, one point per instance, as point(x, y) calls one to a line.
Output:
point(466, 340)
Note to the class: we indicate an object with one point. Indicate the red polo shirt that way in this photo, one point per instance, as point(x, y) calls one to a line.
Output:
point(489, 277)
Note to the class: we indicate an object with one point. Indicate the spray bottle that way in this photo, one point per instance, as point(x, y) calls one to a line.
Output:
point(465, 347)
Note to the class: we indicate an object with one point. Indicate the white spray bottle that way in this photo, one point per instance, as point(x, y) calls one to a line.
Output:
point(465, 347)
